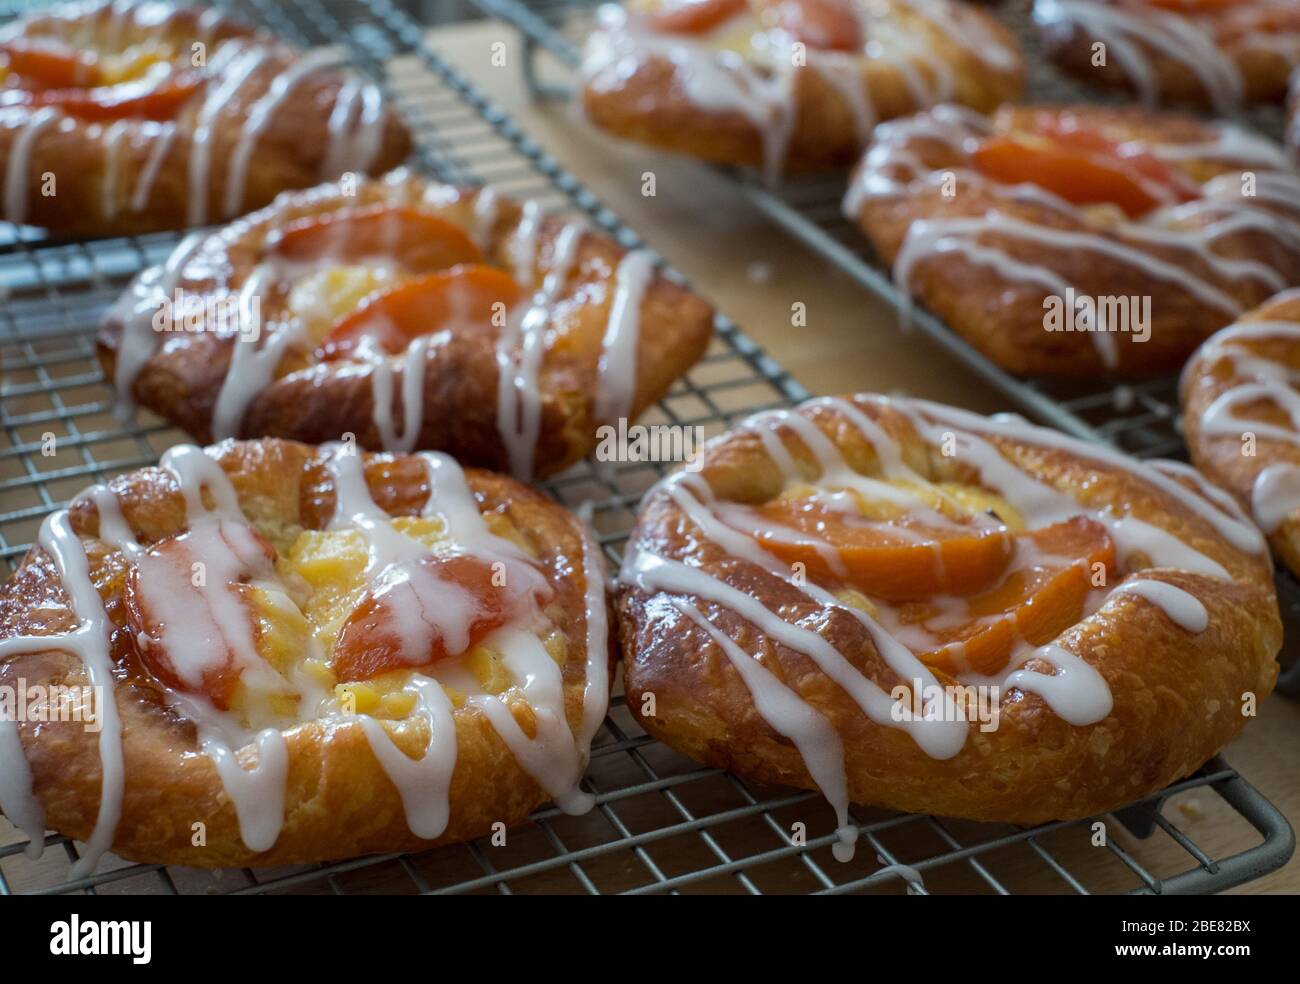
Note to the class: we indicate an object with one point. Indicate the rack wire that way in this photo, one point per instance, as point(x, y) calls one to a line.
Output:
point(662, 824)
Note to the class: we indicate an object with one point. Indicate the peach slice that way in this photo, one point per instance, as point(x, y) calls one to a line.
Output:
point(910, 563)
point(694, 16)
point(392, 319)
point(169, 568)
point(420, 242)
point(829, 25)
point(50, 64)
point(1082, 166)
point(442, 606)
point(1035, 604)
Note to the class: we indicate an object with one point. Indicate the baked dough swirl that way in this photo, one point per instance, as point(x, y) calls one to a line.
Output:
point(773, 604)
point(124, 117)
point(1069, 239)
point(300, 654)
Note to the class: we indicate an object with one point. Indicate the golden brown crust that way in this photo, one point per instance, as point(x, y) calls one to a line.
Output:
point(316, 401)
point(1176, 695)
point(1003, 315)
point(644, 98)
point(1226, 459)
point(97, 174)
point(1258, 58)
point(339, 801)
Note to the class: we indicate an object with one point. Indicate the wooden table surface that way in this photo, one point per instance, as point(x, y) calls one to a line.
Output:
point(753, 272)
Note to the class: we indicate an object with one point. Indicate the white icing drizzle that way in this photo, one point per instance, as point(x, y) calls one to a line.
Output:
point(112, 137)
point(1183, 608)
point(423, 784)
point(251, 369)
point(521, 345)
point(136, 309)
point(19, 164)
point(233, 65)
point(158, 151)
point(381, 389)
point(89, 642)
point(1275, 494)
point(616, 373)
point(790, 716)
point(256, 792)
point(1075, 692)
point(1127, 32)
point(487, 208)
point(259, 117)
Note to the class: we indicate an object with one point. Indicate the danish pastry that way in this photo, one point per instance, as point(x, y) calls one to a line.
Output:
point(787, 84)
point(412, 315)
point(1241, 417)
point(299, 654)
point(124, 117)
point(912, 606)
point(1068, 239)
point(1223, 54)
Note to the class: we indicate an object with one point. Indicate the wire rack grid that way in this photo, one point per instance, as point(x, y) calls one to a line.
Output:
point(662, 824)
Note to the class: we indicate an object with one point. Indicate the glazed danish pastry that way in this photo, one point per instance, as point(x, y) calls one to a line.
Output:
point(1223, 54)
point(302, 654)
point(801, 608)
point(1241, 417)
point(787, 84)
point(124, 117)
point(1060, 240)
point(412, 315)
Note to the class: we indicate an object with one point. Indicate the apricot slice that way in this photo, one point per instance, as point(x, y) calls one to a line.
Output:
point(694, 16)
point(418, 241)
point(51, 64)
point(1035, 604)
point(391, 319)
point(440, 606)
point(145, 99)
point(904, 563)
point(830, 25)
point(1082, 166)
point(164, 602)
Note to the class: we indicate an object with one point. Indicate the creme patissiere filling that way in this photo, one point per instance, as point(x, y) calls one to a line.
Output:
point(970, 576)
point(403, 620)
point(386, 284)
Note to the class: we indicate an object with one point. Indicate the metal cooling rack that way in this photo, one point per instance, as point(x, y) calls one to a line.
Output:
point(662, 823)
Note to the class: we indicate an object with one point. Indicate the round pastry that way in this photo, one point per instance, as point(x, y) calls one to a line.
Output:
point(411, 315)
point(912, 606)
point(127, 117)
point(794, 84)
point(1241, 417)
point(1222, 54)
point(297, 654)
point(1068, 239)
